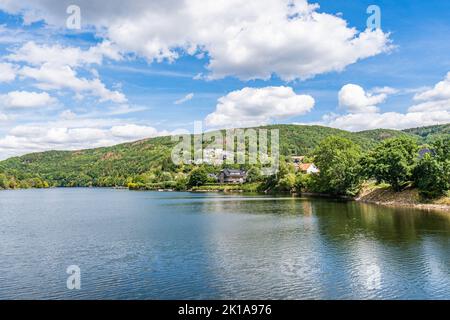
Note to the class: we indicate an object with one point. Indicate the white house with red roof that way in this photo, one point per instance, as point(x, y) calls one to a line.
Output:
point(308, 168)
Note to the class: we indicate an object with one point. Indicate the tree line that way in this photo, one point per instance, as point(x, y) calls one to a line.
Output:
point(397, 162)
point(344, 167)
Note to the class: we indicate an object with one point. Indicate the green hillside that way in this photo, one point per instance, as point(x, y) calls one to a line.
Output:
point(148, 161)
point(428, 134)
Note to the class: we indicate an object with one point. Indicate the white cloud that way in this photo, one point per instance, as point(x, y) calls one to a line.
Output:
point(7, 35)
point(431, 106)
point(257, 106)
point(248, 39)
point(7, 72)
point(124, 109)
point(54, 67)
point(72, 133)
point(26, 99)
point(186, 98)
point(356, 100)
point(387, 120)
point(440, 91)
point(384, 90)
point(58, 55)
point(434, 99)
point(364, 115)
point(53, 77)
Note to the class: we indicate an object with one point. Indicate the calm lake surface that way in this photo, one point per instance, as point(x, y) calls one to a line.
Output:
point(156, 245)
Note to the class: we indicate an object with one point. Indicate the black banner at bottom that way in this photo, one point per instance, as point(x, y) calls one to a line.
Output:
point(236, 309)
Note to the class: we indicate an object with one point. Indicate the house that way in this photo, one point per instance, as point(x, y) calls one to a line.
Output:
point(297, 159)
point(308, 168)
point(232, 176)
point(424, 151)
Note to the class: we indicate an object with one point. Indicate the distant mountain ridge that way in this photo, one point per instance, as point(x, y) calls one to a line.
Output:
point(430, 131)
point(119, 164)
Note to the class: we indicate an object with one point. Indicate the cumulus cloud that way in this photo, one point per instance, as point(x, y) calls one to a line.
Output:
point(186, 98)
point(247, 39)
point(364, 115)
point(356, 100)
point(257, 106)
point(58, 55)
point(434, 99)
point(52, 77)
point(384, 90)
point(7, 72)
point(71, 133)
point(54, 67)
point(26, 99)
point(387, 120)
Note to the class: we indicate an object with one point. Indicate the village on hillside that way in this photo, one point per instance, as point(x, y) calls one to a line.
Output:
point(217, 157)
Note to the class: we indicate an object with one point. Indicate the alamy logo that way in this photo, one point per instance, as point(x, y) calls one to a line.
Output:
point(74, 19)
point(374, 20)
point(233, 146)
point(74, 279)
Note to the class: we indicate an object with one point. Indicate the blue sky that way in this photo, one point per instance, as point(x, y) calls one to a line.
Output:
point(136, 75)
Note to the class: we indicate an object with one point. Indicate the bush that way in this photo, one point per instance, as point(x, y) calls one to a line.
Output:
point(302, 182)
point(392, 161)
point(287, 183)
point(4, 183)
point(197, 177)
point(181, 182)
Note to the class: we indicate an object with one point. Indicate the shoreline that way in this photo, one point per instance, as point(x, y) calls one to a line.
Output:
point(374, 196)
point(360, 199)
point(421, 206)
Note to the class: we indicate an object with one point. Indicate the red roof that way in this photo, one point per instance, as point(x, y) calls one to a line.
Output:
point(304, 166)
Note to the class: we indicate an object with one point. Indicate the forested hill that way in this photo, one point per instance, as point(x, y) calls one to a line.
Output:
point(149, 159)
point(431, 132)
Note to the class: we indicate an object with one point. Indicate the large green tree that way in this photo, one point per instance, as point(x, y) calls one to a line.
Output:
point(441, 149)
point(338, 161)
point(392, 161)
point(197, 177)
point(432, 173)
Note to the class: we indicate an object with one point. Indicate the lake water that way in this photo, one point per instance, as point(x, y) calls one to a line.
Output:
point(156, 245)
